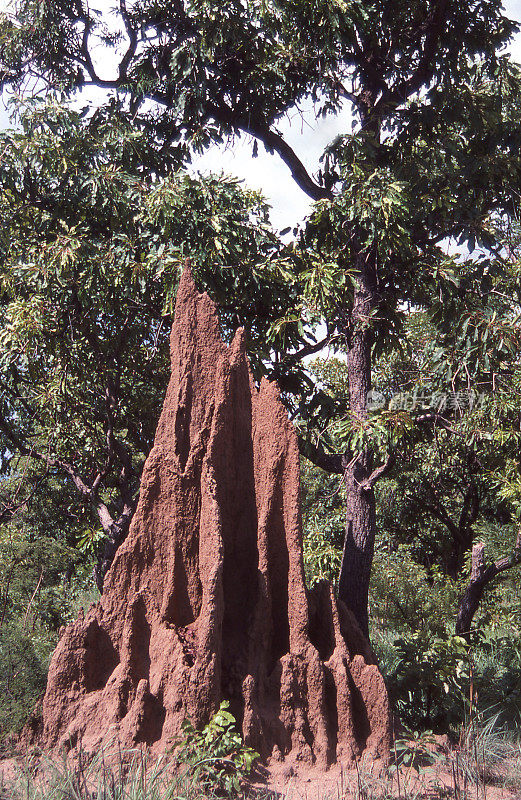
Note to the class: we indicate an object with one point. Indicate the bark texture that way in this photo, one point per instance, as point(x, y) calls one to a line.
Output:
point(357, 559)
point(469, 602)
point(206, 599)
point(480, 576)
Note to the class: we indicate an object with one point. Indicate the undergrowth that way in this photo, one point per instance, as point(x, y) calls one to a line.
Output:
point(210, 763)
point(485, 755)
point(112, 775)
point(216, 757)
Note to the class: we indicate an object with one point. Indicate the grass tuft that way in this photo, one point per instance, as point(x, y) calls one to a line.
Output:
point(109, 775)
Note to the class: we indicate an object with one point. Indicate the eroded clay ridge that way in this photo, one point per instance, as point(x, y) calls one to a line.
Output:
point(206, 598)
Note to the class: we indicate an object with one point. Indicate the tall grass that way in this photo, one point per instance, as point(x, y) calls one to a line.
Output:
point(485, 755)
point(109, 775)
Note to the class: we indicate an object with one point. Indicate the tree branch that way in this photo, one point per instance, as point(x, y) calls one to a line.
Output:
point(431, 29)
point(273, 142)
point(343, 92)
point(116, 534)
point(469, 512)
point(480, 577)
point(434, 417)
point(378, 473)
point(83, 488)
point(329, 462)
point(307, 350)
point(441, 514)
point(133, 41)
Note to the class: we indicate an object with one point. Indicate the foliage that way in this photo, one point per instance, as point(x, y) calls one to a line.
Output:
point(188, 59)
point(31, 569)
point(24, 656)
point(406, 596)
point(321, 558)
point(487, 753)
point(413, 749)
point(216, 756)
point(430, 114)
point(36, 598)
point(430, 680)
point(92, 247)
point(413, 599)
point(496, 662)
point(323, 523)
point(433, 156)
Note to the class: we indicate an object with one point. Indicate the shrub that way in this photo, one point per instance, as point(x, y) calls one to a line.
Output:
point(24, 658)
point(430, 681)
point(216, 756)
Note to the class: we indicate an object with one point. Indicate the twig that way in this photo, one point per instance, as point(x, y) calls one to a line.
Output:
point(32, 597)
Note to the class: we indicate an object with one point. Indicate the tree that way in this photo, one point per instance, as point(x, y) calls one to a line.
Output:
point(455, 485)
point(91, 251)
point(485, 348)
point(433, 153)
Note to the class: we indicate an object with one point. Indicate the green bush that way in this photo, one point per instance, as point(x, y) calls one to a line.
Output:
point(24, 659)
point(216, 756)
point(323, 516)
point(35, 600)
point(429, 684)
point(406, 596)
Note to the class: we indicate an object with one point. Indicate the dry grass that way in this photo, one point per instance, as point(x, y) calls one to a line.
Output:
point(110, 775)
point(484, 765)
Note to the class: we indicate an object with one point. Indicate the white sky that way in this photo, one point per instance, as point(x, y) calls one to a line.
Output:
point(268, 173)
point(308, 138)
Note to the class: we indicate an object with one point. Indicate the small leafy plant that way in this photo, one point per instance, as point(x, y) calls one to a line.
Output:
point(216, 756)
point(430, 680)
point(414, 750)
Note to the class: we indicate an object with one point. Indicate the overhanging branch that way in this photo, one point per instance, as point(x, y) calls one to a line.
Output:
point(329, 462)
point(273, 142)
point(431, 30)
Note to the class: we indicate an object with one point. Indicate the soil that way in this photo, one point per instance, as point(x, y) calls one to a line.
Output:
point(370, 780)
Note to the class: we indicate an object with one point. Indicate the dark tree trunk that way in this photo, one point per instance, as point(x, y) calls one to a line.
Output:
point(471, 598)
point(116, 532)
point(455, 559)
point(462, 534)
point(355, 571)
point(481, 575)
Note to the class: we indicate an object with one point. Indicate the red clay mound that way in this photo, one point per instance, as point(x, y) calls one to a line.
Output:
point(206, 599)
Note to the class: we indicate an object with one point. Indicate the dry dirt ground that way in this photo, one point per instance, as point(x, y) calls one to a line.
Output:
point(370, 781)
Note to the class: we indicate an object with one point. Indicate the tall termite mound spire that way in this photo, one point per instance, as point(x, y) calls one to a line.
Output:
point(206, 598)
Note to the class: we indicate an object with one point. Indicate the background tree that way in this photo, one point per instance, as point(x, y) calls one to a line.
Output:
point(424, 587)
point(451, 394)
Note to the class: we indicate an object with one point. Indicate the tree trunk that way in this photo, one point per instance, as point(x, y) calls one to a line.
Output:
point(472, 595)
point(480, 576)
point(116, 532)
point(462, 534)
point(357, 558)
